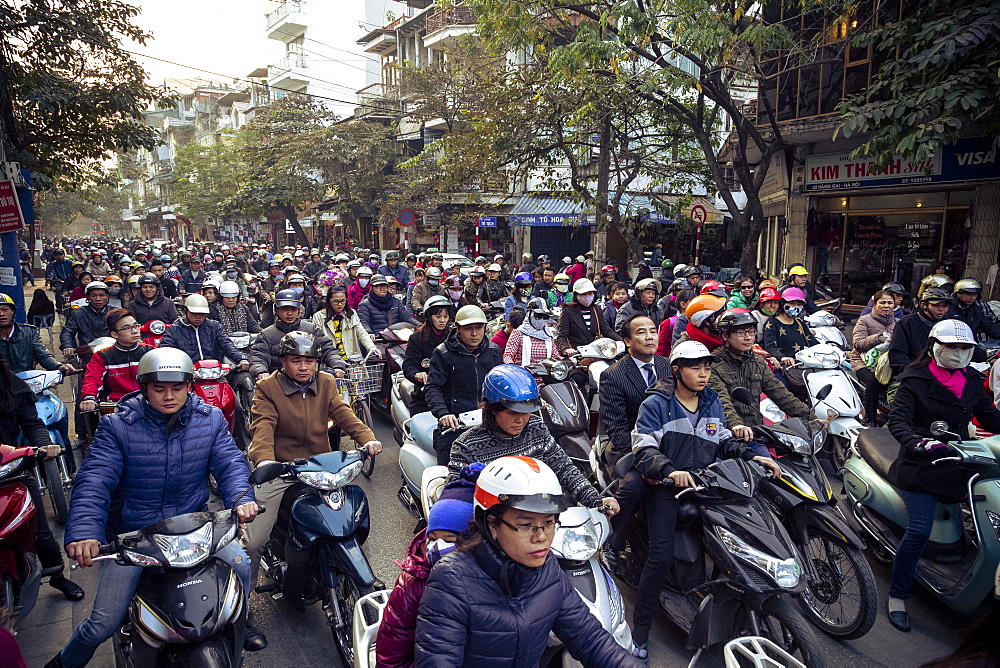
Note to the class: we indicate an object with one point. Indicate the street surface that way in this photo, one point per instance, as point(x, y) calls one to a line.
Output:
point(305, 640)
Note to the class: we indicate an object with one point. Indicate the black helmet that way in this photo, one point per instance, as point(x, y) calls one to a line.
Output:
point(895, 288)
point(733, 318)
point(411, 256)
point(934, 294)
point(298, 343)
point(165, 365)
point(148, 278)
point(286, 298)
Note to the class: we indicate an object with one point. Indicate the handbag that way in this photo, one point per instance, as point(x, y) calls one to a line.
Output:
point(883, 372)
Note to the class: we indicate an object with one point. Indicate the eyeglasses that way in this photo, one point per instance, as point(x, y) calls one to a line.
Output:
point(746, 333)
point(129, 328)
point(531, 529)
point(338, 302)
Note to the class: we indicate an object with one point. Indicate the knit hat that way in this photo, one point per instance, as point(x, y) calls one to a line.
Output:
point(453, 510)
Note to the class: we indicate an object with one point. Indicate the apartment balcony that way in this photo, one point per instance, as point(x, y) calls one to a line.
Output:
point(446, 26)
point(378, 101)
point(288, 21)
point(290, 72)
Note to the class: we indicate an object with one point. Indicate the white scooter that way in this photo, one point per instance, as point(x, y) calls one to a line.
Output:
point(827, 328)
point(834, 396)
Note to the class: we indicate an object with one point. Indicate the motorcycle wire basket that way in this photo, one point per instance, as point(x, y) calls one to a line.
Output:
point(365, 378)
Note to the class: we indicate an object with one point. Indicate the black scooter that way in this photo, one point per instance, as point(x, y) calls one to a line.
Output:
point(314, 552)
point(189, 608)
point(564, 409)
point(754, 563)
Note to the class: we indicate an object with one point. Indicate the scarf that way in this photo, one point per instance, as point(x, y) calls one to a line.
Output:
point(233, 320)
point(953, 380)
point(381, 303)
point(696, 334)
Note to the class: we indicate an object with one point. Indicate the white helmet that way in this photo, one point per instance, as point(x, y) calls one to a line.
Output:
point(690, 350)
point(519, 482)
point(229, 289)
point(952, 331)
point(196, 304)
point(494, 267)
point(583, 286)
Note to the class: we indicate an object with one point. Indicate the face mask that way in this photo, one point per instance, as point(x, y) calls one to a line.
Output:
point(298, 290)
point(585, 300)
point(793, 311)
point(769, 310)
point(437, 549)
point(114, 291)
point(230, 274)
point(524, 292)
point(562, 288)
point(952, 359)
point(432, 282)
point(538, 323)
point(363, 282)
point(455, 294)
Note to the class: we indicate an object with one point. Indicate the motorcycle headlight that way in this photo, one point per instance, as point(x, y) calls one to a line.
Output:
point(786, 573)
point(608, 348)
point(818, 439)
point(576, 543)
point(141, 559)
point(798, 445)
point(326, 480)
point(240, 341)
point(828, 360)
point(559, 371)
point(10, 467)
point(209, 373)
point(227, 537)
point(157, 327)
point(36, 383)
point(186, 550)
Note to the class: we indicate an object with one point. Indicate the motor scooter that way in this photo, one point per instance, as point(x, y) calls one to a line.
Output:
point(827, 328)
point(960, 561)
point(833, 393)
point(564, 408)
point(189, 608)
point(20, 572)
point(314, 551)
point(242, 383)
point(840, 598)
point(597, 356)
point(210, 384)
point(417, 455)
point(152, 333)
point(391, 343)
point(400, 402)
point(57, 482)
point(755, 563)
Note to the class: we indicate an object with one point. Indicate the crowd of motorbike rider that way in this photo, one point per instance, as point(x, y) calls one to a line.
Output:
point(688, 341)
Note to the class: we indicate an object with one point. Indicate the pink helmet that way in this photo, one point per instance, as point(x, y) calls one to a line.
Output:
point(793, 295)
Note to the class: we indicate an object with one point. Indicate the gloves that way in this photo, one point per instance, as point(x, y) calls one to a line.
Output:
point(931, 445)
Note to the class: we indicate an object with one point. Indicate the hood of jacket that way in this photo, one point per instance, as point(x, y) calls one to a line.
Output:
point(455, 345)
point(416, 563)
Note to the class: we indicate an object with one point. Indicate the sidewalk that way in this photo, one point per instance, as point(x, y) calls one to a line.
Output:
point(51, 622)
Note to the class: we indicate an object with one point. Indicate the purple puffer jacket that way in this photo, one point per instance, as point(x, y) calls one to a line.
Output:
point(394, 643)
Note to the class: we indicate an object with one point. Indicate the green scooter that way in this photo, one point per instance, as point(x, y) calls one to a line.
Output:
point(960, 561)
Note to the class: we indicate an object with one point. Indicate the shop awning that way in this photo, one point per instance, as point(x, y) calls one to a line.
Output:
point(543, 210)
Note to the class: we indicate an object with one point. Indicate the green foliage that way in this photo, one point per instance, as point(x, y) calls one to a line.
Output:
point(70, 96)
point(204, 177)
point(943, 80)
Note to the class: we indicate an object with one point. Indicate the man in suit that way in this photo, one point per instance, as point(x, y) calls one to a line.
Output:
point(580, 321)
point(623, 388)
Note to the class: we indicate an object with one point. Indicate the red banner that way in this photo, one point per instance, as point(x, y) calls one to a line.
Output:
point(11, 219)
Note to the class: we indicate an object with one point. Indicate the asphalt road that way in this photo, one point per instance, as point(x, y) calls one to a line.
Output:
point(305, 640)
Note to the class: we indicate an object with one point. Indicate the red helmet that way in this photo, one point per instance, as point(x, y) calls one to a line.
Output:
point(768, 294)
point(609, 269)
point(709, 286)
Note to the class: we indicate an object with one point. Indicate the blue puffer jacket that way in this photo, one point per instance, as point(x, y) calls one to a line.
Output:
point(206, 342)
point(399, 273)
point(137, 473)
point(375, 319)
point(481, 609)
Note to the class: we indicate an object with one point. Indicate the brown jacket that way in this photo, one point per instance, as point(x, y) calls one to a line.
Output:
point(868, 334)
point(301, 429)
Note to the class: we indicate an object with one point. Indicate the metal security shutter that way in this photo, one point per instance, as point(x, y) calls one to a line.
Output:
point(558, 242)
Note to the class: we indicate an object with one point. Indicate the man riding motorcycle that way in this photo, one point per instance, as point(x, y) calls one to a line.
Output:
point(199, 337)
point(152, 304)
point(264, 349)
point(20, 345)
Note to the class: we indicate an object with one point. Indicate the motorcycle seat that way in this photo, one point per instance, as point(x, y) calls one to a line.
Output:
point(879, 449)
point(422, 426)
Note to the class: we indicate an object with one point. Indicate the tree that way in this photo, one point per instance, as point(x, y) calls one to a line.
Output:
point(693, 60)
point(205, 177)
point(277, 170)
point(58, 209)
point(943, 81)
point(70, 96)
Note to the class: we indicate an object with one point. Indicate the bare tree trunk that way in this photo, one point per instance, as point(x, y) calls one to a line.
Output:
point(289, 212)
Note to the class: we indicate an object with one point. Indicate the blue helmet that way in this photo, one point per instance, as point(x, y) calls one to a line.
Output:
point(513, 386)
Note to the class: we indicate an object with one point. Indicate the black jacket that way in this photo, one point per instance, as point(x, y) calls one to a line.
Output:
point(161, 309)
point(910, 338)
point(191, 284)
point(572, 331)
point(482, 609)
point(455, 381)
point(83, 326)
point(204, 342)
point(264, 349)
point(417, 359)
point(921, 400)
point(623, 389)
point(979, 319)
point(731, 370)
point(22, 418)
point(634, 307)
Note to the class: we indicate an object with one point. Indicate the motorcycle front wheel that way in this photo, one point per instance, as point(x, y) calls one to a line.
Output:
point(781, 623)
point(54, 488)
point(843, 602)
point(345, 597)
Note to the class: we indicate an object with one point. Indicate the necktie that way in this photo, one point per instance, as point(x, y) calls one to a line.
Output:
point(650, 374)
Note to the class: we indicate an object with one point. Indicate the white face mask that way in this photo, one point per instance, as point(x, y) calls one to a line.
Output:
point(455, 294)
point(562, 288)
point(952, 359)
point(363, 282)
point(585, 300)
point(539, 324)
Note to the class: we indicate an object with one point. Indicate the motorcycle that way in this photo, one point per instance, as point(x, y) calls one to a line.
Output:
point(152, 333)
point(959, 562)
point(20, 573)
point(827, 328)
point(400, 402)
point(564, 409)
point(314, 552)
point(754, 562)
point(189, 608)
point(417, 455)
point(833, 393)
point(210, 384)
point(840, 597)
point(391, 343)
point(242, 383)
point(59, 472)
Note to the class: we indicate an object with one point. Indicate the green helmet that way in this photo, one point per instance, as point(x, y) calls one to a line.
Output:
point(667, 264)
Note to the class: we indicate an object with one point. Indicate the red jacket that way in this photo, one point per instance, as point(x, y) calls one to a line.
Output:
point(394, 643)
point(111, 373)
point(666, 336)
point(576, 272)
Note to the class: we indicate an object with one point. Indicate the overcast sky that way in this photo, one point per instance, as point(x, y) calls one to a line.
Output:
point(228, 37)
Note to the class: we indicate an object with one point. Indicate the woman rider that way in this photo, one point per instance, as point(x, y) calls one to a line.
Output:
point(938, 385)
point(417, 361)
point(533, 341)
point(341, 324)
point(512, 428)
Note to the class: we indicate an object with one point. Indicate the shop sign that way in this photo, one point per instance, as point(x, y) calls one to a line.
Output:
point(486, 221)
point(10, 208)
point(970, 159)
point(550, 220)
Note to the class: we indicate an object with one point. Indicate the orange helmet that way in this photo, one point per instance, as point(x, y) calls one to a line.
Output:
point(767, 283)
point(702, 307)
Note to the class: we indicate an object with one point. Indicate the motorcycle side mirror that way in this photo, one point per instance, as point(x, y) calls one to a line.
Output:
point(824, 392)
point(266, 472)
point(742, 395)
point(939, 427)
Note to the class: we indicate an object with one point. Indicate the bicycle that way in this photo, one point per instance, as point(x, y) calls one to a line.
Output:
point(362, 378)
